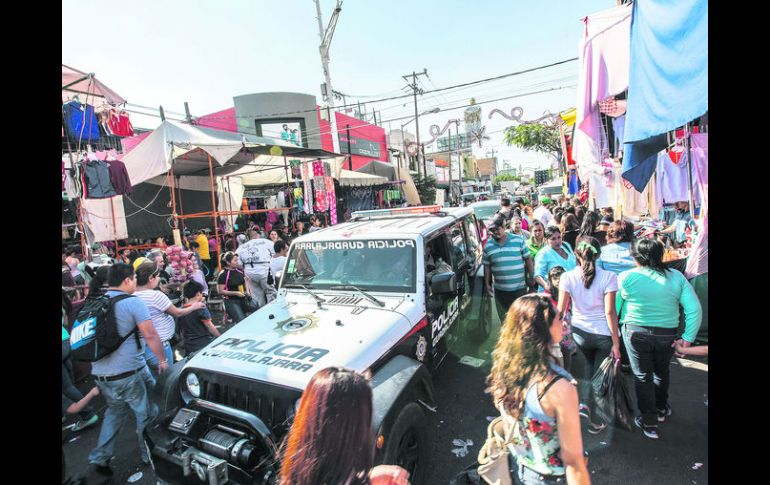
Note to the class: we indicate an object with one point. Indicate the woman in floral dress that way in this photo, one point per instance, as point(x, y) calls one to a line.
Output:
point(537, 399)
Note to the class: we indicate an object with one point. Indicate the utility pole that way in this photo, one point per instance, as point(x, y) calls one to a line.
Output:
point(415, 89)
point(350, 156)
point(449, 133)
point(326, 40)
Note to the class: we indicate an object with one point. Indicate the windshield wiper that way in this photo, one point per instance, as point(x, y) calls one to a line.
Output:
point(318, 299)
point(367, 295)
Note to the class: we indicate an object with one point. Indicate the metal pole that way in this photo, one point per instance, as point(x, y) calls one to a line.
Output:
point(416, 121)
point(350, 155)
point(688, 144)
point(459, 158)
point(449, 132)
point(214, 207)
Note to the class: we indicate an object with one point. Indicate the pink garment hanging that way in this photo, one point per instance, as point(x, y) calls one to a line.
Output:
point(603, 68)
point(698, 262)
point(332, 199)
point(320, 194)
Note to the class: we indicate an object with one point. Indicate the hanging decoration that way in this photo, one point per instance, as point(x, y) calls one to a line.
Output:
point(308, 191)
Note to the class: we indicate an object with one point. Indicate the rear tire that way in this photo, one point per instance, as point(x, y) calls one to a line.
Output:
point(408, 443)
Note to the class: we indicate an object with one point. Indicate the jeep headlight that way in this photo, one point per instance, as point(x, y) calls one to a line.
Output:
point(193, 386)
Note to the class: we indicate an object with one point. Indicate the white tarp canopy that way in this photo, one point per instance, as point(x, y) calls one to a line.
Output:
point(189, 147)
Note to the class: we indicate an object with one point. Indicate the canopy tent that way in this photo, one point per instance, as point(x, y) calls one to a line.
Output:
point(74, 82)
point(379, 168)
point(189, 148)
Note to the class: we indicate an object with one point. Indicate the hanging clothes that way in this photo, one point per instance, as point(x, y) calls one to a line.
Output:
point(119, 177)
point(97, 178)
point(606, 185)
point(603, 59)
point(281, 199)
point(80, 121)
point(633, 202)
point(307, 172)
point(331, 198)
point(697, 262)
point(573, 186)
point(672, 183)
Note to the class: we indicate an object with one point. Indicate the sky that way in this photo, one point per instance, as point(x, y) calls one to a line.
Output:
point(166, 52)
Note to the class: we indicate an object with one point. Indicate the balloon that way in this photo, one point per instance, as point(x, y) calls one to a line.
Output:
point(169, 250)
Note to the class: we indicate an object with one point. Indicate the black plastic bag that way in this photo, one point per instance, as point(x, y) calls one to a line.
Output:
point(603, 384)
point(624, 403)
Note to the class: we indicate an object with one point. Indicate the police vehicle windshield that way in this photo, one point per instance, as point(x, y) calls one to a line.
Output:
point(371, 265)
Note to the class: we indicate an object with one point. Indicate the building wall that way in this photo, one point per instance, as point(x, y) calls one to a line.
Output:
point(358, 129)
point(487, 166)
point(299, 108)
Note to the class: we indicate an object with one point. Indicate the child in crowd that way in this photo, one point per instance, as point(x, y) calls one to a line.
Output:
point(567, 347)
point(197, 328)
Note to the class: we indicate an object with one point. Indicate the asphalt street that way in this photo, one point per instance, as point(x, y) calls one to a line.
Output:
point(617, 456)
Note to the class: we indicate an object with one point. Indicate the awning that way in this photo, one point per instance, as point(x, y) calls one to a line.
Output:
point(357, 179)
point(78, 82)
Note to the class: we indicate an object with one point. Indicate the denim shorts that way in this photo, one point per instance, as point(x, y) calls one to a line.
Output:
point(528, 476)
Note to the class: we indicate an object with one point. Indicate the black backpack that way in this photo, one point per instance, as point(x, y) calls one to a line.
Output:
point(95, 334)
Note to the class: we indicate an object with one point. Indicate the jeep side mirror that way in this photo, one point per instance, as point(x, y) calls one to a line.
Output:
point(443, 283)
point(278, 275)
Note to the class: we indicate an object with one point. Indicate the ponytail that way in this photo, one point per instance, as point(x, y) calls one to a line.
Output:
point(588, 251)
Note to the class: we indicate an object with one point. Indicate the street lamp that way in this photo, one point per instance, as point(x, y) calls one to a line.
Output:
point(403, 140)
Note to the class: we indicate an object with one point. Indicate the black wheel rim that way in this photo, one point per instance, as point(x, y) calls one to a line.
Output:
point(409, 451)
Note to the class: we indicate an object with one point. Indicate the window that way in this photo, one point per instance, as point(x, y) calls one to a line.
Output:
point(473, 236)
point(457, 239)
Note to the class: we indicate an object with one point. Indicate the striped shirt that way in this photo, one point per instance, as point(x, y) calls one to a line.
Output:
point(507, 262)
point(157, 302)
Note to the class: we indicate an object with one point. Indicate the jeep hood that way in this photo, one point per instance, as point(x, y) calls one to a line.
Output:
point(286, 342)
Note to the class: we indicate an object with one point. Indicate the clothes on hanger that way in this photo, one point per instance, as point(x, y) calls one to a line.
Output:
point(672, 183)
point(119, 177)
point(80, 122)
point(98, 180)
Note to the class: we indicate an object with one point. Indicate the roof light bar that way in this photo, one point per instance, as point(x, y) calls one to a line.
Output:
point(422, 209)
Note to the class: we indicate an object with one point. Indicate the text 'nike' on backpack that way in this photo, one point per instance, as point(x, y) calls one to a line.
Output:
point(95, 334)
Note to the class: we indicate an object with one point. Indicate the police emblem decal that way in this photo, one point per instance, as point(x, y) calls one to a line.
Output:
point(422, 348)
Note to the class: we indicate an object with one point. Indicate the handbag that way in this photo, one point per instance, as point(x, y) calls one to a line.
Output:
point(494, 455)
point(249, 304)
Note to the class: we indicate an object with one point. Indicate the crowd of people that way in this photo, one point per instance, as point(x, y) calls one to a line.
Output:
point(595, 289)
point(565, 280)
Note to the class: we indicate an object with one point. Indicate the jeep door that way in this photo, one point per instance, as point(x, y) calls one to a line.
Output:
point(442, 309)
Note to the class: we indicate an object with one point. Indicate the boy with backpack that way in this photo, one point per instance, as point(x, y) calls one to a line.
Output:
point(106, 333)
point(197, 328)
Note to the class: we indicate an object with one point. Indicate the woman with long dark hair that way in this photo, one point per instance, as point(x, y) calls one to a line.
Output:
point(555, 253)
point(648, 299)
point(332, 438)
point(231, 284)
point(590, 227)
point(591, 292)
point(569, 228)
point(537, 398)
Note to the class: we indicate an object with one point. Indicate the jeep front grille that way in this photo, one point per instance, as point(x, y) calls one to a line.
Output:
point(274, 405)
point(346, 300)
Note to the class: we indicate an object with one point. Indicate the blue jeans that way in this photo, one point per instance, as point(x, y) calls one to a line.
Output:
point(595, 348)
point(124, 396)
point(650, 351)
point(152, 361)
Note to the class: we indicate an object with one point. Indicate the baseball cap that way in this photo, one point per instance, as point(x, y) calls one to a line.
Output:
point(139, 261)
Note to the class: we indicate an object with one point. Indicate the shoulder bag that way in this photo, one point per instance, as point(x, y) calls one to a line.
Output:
point(494, 456)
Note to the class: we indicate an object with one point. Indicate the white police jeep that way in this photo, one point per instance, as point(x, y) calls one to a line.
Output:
point(383, 292)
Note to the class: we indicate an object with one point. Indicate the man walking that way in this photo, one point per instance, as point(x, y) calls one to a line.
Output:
point(255, 256)
point(123, 376)
point(203, 251)
point(507, 258)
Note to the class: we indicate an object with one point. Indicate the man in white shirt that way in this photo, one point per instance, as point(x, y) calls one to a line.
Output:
point(281, 249)
point(255, 256)
point(543, 215)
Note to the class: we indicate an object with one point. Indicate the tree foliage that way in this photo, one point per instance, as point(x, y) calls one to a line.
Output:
point(426, 189)
point(535, 137)
point(506, 177)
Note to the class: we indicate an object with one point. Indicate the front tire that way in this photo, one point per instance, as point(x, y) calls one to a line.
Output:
point(408, 442)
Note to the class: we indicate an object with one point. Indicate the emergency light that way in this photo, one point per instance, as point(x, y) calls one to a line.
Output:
point(423, 209)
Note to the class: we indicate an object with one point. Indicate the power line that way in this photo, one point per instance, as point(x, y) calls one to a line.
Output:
point(495, 78)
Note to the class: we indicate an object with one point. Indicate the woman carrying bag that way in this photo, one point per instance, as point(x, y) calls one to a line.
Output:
point(537, 399)
point(231, 284)
point(590, 291)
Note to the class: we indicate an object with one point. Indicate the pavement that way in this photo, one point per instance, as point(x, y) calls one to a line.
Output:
point(617, 456)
